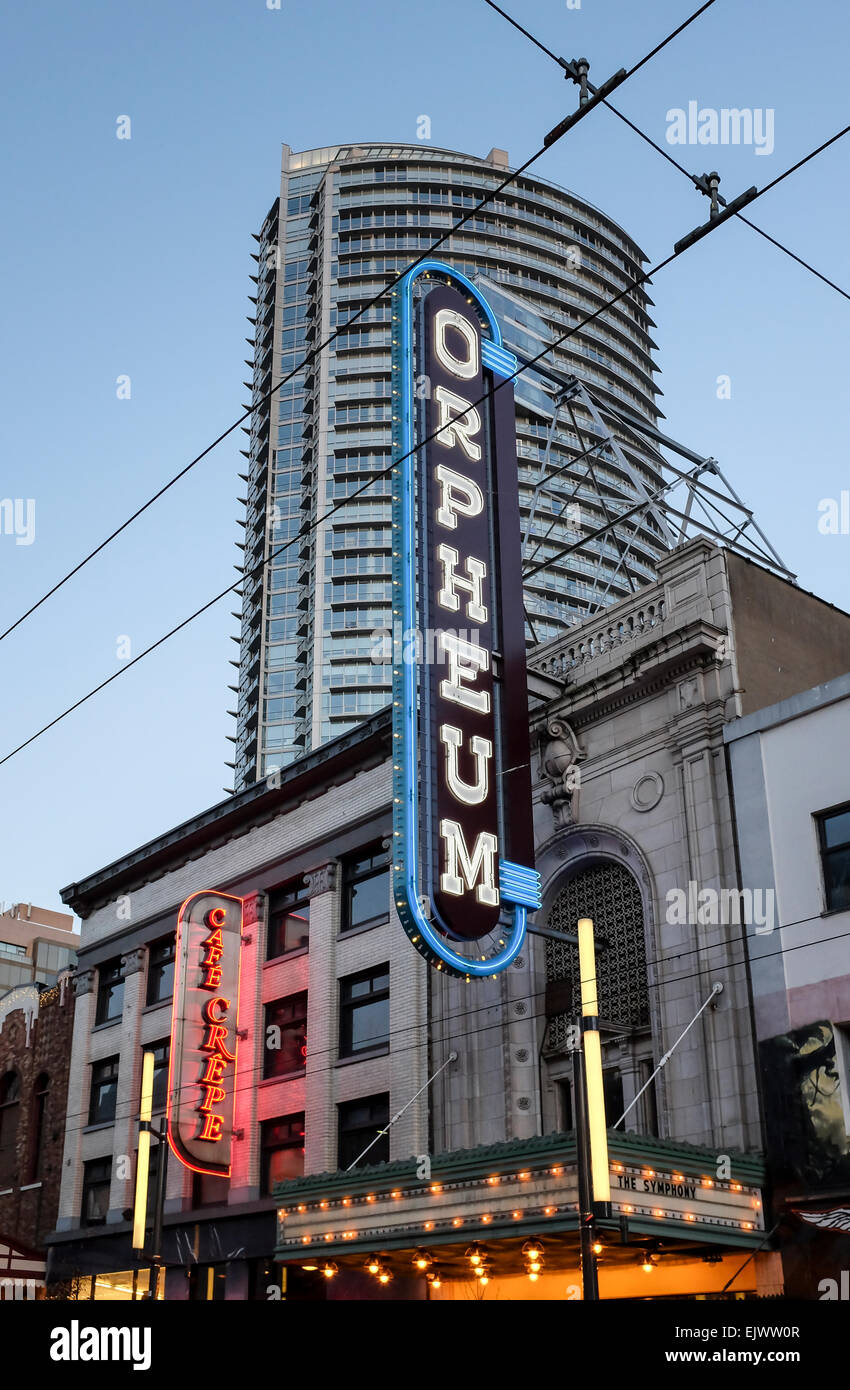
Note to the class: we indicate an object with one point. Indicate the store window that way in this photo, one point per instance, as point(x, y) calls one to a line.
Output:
point(95, 1204)
point(364, 1008)
point(834, 835)
point(366, 888)
point(104, 1091)
point(161, 969)
point(361, 1122)
point(207, 1283)
point(110, 992)
point(281, 1151)
point(9, 1112)
point(285, 1036)
point(289, 921)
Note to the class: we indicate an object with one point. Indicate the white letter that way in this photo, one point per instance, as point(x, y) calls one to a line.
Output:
point(477, 571)
point(457, 427)
point(764, 137)
point(459, 496)
point(447, 318)
point(482, 751)
point(481, 862)
point(677, 130)
point(61, 1339)
point(828, 523)
point(459, 651)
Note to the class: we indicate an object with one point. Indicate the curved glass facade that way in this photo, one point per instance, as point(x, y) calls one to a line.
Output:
point(348, 220)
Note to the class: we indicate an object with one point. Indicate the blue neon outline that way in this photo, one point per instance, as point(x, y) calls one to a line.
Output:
point(405, 782)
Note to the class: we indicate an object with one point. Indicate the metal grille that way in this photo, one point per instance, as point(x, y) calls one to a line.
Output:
point(610, 895)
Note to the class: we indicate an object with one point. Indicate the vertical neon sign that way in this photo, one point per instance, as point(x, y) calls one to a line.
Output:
point(463, 844)
point(202, 1065)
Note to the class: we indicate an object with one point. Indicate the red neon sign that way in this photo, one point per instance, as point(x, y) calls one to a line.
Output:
point(202, 1069)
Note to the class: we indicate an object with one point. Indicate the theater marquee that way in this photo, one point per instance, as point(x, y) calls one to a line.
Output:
point(463, 855)
point(202, 1068)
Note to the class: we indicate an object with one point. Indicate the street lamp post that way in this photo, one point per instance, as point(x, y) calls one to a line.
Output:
point(591, 1133)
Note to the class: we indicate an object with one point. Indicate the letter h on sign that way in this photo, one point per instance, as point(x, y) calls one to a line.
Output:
point(462, 786)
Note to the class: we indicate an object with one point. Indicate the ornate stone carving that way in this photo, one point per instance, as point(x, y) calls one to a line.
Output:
point(322, 879)
point(134, 961)
point(560, 756)
point(84, 982)
point(647, 791)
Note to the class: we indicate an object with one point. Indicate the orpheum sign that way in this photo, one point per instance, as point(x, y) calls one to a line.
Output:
point(463, 874)
point(202, 1069)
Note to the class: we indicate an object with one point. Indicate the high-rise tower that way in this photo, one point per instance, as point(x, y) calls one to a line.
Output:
point(349, 218)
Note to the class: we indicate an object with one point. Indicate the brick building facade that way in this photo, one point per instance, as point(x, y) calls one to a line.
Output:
point(35, 1059)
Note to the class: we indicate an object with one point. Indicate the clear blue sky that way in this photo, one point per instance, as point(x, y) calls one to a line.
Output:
point(132, 257)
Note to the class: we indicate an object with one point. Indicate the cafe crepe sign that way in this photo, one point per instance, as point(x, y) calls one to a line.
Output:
point(202, 1067)
point(463, 873)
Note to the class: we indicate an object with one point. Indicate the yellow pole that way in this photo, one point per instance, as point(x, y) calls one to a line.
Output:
point(591, 1043)
point(140, 1207)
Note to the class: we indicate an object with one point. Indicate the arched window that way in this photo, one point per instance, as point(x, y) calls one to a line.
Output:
point(39, 1103)
point(9, 1110)
point(609, 894)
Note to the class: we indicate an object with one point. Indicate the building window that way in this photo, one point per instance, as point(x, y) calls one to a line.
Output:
point(286, 1036)
point(361, 1121)
point(612, 1091)
point(364, 1009)
point(9, 1099)
point(161, 1054)
point(611, 896)
point(96, 1179)
point(161, 969)
point(209, 1190)
point(366, 889)
point(289, 921)
point(104, 1091)
point(110, 992)
point(282, 1151)
point(834, 832)
point(39, 1118)
point(564, 1092)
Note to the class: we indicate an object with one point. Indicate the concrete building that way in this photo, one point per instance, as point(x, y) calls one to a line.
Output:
point(792, 809)
point(634, 825)
point(348, 219)
point(36, 945)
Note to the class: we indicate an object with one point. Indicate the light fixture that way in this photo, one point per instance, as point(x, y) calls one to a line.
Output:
point(533, 1275)
point(311, 1269)
point(373, 1264)
point(598, 1247)
point(647, 1267)
point(422, 1260)
point(434, 1280)
point(534, 1266)
point(329, 1269)
point(533, 1249)
point(384, 1277)
point(475, 1255)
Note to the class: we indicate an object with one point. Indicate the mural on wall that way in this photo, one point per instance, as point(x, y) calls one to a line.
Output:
point(805, 1109)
